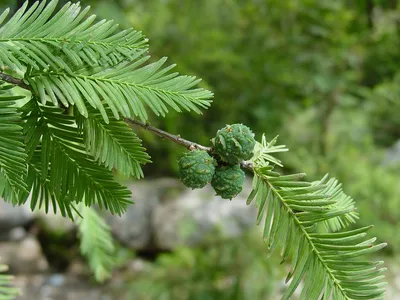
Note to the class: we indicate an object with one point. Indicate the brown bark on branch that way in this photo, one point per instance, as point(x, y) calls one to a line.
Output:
point(9, 79)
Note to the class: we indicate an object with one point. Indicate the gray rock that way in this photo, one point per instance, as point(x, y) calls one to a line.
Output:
point(17, 234)
point(78, 267)
point(166, 215)
point(60, 287)
point(392, 155)
point(196, 215)
point(23, 256)
point(13, 216)
point(54, 222)
point(134, 228)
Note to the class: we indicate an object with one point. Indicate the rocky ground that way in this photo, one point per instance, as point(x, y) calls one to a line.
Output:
point(165, 215)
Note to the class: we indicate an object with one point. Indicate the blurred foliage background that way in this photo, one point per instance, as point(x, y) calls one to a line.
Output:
point(323, 74)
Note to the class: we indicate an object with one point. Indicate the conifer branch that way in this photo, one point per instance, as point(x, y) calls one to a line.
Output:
point(179, 140)
point(161, 133)
point(146, 126)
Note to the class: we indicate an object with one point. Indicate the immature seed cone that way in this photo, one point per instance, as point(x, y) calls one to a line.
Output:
point(228, 181)
point(234, 143)
point(196, 168)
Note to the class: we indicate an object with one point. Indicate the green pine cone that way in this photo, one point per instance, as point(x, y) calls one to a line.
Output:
point(228, 181)
point(234, 143)
point(196, 168)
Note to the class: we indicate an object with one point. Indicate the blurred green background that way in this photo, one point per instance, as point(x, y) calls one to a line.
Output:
point(323, 74)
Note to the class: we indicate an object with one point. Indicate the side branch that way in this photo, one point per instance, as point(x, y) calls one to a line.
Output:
point(13, 80)
point(163, 134)
point(178, 140)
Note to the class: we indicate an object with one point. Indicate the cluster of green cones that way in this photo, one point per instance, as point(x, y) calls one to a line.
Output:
point(232, 144)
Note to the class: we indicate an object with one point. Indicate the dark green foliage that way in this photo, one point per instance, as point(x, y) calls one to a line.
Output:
point(104, 140)
point(228, 181)
point(234, 143)
point(66, 59)
point(196, 168)
point(60, 170)
point(12, 148)
point(39, 38)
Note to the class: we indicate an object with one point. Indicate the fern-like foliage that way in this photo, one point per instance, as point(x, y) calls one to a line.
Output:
point(114, 144)
point(331, 263)
point(72, 174)
point(12, 149)
point(7, 290)
point(263, 156)
point(77, 62)
point(42, 40)
point(128, 89)
point(42, 193)
point(96, 242)
point(68, 59)
point(343, 203)
point(263, 152)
